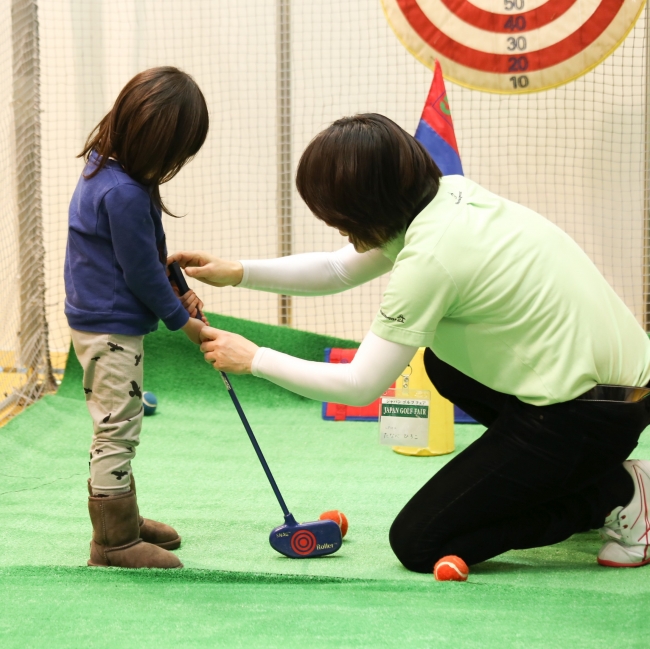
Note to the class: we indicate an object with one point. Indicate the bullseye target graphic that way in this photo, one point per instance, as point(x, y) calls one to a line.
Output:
point(303, 542)
point(512, 46)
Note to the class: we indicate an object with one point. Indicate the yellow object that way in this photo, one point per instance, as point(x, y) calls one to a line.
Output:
point(441, 413)
point(13, 382)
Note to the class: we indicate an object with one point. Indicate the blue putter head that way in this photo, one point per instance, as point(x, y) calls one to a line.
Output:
point(306, 540)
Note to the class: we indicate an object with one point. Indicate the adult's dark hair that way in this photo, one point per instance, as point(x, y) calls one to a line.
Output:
point(158, 123)
point(367, 177)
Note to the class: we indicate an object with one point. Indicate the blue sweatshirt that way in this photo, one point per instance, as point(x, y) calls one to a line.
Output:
point(115, 263)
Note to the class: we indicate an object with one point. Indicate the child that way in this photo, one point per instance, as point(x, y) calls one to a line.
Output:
point(117, 289)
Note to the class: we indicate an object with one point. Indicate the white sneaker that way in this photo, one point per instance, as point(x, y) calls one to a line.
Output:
point(612, 528)
point(627, 529)
point(620, 555)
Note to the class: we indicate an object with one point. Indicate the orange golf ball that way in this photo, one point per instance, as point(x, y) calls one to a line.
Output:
point(451, 568)
point(338, 517)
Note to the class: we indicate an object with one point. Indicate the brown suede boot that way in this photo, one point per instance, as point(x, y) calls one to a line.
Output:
point(116, 538)
point(160, 534)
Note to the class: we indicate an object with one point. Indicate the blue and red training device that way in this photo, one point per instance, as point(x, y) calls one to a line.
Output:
point(293, 539)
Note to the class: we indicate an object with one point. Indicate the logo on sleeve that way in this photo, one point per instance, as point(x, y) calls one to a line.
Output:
point(400, 318)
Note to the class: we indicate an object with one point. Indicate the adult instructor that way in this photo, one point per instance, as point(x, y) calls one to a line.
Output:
point(521, 330)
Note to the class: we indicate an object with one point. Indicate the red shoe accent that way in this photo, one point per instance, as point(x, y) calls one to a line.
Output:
point(613, 564)
point(644, 509)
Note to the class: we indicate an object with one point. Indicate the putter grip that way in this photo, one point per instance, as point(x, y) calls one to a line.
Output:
point(176, 276)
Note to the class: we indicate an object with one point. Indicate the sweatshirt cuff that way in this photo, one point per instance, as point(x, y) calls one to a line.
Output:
point(177, 318)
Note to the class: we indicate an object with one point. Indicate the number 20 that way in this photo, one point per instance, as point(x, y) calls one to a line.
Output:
point(517, 63)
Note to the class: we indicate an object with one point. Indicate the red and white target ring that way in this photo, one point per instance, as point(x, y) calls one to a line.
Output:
point(512, 46)
point(303, 542)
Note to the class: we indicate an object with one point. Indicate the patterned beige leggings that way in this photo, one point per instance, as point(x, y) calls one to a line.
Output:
point(112, 365)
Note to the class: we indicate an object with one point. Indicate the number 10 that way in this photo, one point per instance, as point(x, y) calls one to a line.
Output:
point(519, 82)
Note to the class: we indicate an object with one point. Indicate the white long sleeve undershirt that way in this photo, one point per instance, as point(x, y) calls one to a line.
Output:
point(315, 273)
point(375, 367)
point(378, 362)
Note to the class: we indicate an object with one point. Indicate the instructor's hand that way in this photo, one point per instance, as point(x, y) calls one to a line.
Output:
point(227, 351)
point(208, 269)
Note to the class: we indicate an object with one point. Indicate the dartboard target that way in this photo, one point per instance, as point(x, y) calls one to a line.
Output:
point(512, 46)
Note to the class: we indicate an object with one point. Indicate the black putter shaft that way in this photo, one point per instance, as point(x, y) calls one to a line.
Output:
point(176, 275)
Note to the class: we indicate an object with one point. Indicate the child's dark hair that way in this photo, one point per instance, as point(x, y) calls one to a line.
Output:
point(158, 122)
point(367, 177)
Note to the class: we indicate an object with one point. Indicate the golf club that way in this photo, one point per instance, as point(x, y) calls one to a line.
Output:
point(293, 539)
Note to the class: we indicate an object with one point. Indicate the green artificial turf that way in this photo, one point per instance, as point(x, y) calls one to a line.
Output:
point(197, 471)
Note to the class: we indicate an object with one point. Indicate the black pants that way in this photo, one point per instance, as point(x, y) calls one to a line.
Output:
point(536, 476)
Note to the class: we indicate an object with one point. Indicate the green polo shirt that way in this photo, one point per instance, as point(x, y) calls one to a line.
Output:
point(506, 297)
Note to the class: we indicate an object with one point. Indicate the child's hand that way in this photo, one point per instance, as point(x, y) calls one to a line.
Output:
point(208, 269)
point(193, 330)
point(193, 304)
point(227, 351)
